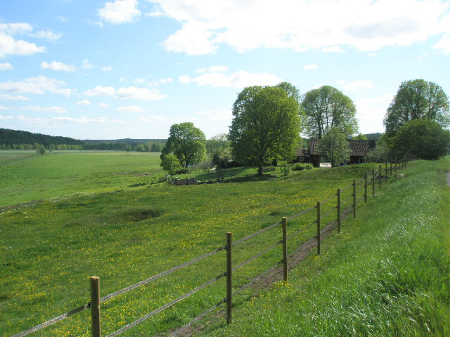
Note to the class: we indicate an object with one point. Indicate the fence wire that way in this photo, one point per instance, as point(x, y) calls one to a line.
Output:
point(167, 272)
point(165, 306)
point(256, 256)
point(255, 234)
point(371, 176)
point(301, 213)
point(53, 320)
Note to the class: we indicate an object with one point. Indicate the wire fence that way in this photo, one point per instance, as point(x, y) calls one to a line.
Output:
point(345, 200)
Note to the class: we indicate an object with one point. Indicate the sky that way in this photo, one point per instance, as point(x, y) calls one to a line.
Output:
point(91, 69)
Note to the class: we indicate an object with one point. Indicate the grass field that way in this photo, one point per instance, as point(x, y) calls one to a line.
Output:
point(27, 177)
point(124, 234)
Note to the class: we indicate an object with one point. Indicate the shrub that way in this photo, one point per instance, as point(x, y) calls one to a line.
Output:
point(301, 166)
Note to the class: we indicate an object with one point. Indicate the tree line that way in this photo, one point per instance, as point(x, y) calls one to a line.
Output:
point(268, 121)
point(24, 140)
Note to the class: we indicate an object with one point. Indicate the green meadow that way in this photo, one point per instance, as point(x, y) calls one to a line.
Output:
point(72, 215)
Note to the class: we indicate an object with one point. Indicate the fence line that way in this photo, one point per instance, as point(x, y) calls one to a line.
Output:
point(96, 331)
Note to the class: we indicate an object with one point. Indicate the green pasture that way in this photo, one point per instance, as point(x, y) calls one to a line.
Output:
point(124, 234)
point(27, 177)
point(123, 228)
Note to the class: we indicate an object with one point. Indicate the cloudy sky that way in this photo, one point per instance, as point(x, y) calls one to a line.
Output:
point(95, 69)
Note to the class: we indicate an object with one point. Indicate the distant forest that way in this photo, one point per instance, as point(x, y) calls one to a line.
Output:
point(24, 140)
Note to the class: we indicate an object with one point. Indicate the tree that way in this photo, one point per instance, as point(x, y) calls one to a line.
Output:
point(187, 143)
point(360, 137)
point(326, 108)
point(420, 139)
point(334, 146)
point(417, 99)
point(171, 164)
point(218, 149)
point(265, 127)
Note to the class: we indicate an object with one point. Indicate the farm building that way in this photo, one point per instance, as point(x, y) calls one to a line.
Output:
point(359, 149)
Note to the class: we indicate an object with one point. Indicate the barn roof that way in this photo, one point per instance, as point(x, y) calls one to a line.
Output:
point(359, 148)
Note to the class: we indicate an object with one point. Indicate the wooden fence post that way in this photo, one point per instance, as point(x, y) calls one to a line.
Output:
point(354, 198)
point(318, 228)
point(386, 173)
point(365, 188)
point(373, 183)
point(229, 278)
point(339, 210)
point(95, 306)
point(285, 256)
point(381, 178)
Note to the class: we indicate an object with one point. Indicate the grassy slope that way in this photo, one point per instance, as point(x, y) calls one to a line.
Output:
point(48, 250)
point(387, 274)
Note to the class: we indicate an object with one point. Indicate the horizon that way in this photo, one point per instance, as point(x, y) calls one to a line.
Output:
point(132, 68)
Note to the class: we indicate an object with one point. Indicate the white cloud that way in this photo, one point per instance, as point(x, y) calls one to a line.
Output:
point(133, 108)
point(213, 69)
point(100, 91)
point(371, 112)
point(142, 94)
point(53, 109)
point(152, 119)
point(166, 80)
point(3, 108)
point(84, 102)
point(310, 66)
point(58, 66)
point(87, 65)
point(103, 105)
point(119, 11)
point(326, 25)
point(238, 79)
point(354, 85)
point(443, 44)
point(35, 85)
point(5, 117)
point(85, 120)
point(10, 46)
point(332, 49)
point(8, 97)
point(6, 66)
point(107, 68)
point(47, 34)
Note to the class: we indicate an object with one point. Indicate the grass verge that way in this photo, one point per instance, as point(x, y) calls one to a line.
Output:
point(386, 274)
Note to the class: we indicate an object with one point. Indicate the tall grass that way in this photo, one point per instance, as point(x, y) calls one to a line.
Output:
point(386, 274)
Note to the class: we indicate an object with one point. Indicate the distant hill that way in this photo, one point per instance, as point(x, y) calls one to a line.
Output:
point(10, 137)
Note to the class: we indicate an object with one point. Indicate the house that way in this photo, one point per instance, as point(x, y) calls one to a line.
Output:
point(359, 149)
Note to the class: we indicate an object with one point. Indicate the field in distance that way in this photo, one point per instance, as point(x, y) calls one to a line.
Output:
point(26, 176)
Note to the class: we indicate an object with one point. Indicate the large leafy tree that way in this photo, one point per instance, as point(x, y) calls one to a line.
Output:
point(334, 146)
point(420, 139)
point(186, 142)
point(417, 99)
point(265, 127)
point(326, 108)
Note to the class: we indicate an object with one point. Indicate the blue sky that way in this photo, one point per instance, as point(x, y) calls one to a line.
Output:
point(92, 69)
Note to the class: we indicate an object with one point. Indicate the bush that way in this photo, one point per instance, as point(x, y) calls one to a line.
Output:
point(301, 166)
point(285, 169)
